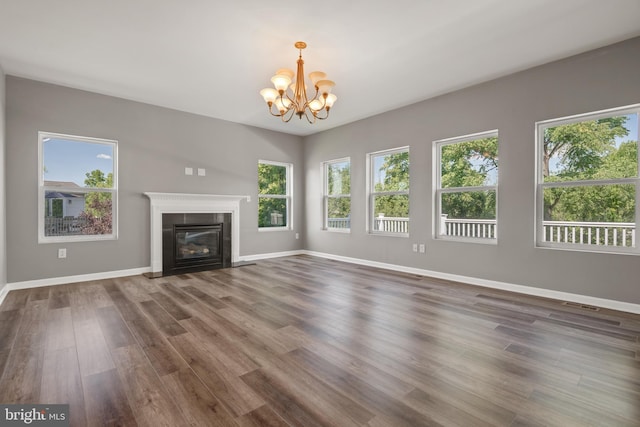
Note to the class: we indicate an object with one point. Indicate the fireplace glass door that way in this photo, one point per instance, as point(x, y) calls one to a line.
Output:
point(197, 244)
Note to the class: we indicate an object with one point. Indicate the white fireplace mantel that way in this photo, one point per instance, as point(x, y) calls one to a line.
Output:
point(162, 203)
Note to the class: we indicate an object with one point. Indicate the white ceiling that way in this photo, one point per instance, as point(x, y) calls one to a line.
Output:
point(212, 57)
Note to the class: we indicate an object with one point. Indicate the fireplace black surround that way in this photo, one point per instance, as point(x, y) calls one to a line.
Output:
point(195, 242)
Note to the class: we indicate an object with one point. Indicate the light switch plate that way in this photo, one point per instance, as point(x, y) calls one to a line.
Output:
point(188, 171)
point(202, 172)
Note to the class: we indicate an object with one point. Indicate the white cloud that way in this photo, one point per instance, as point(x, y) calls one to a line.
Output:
point(103, 156)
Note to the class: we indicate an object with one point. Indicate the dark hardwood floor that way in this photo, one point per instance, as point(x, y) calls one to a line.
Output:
point(305, 341)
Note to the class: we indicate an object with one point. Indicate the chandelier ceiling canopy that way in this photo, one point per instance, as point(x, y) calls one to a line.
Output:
point(290, 94)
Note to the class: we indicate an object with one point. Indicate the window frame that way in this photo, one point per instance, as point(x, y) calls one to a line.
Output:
point(540, 185)
point(42, 239)
point(327, 196)
point(438, 190)
point(371, 194)
point(288, 196)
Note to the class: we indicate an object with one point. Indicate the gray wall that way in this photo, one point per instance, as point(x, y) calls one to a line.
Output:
point(597, 80)
point(155, 145)
point(3, 241)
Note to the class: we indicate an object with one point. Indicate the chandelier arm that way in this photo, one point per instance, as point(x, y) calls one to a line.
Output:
point(306, 115)
point(326, 116)
point(284, 118)
point(272, 113)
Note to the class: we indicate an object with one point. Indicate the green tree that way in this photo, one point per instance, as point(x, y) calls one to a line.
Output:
point(338, 183)
point(272, 181)
point(471, 163)
point(394, 171)
point(586, 151)
point(98, 204)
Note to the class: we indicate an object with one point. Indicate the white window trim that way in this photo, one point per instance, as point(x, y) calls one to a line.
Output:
point(540, 185)
point(288, 196)
point(438, 190)
point(326, 196)
point(371, 194)
point(41, 190)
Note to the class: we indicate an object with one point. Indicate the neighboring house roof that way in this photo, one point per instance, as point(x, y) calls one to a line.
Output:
point(59, 195)
point(66, 185)
point(61, 184)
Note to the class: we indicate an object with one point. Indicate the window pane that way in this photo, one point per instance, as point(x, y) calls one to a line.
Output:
point(591, 215)
point(468, 214)
point(470, 164)
point(593, 149)
point(72, 163)
point(272, 179)
point(339, 212)
point(592, 203)
point(391, 172)
point(391, 213)
point(272, 212)
point(338, 178)
point(68, 214)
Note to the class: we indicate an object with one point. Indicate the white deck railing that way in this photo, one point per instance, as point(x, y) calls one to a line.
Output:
point(621, 234)
point(391, 224)
point(341, 223)
point(480, 228)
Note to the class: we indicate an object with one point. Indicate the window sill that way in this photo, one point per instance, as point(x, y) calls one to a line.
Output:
point(476, 240)
point(338, 230)
point(596, 249)
point(80, 238)
point(383, 234)
point(270, 229)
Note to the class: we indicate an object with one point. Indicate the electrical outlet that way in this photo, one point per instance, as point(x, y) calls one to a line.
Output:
point(62, 252)
point(202, 172)
point(188, 171)
point(297, 236)
point(415, 247)
point(422, 248)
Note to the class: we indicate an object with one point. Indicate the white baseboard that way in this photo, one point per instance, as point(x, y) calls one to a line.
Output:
point(527, 290)
point(3, 293)
point(258, 257)
point(70, 279)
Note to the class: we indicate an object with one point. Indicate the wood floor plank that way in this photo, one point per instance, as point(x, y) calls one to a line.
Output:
point(163, 320)
point(236, 397)
point(60, 329)
point(15, 299)
point(114, 329)
point(305, 341)
point(106, 400)
point(61, 382)
point(262, 417)
point(149, 400)
point(198, 405)
point(9, 323)
point(93, 352)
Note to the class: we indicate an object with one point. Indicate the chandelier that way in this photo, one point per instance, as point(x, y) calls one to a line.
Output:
point(290, 97)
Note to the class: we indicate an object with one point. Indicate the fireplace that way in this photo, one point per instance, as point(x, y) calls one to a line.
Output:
point(195, 242)
point(189, 208)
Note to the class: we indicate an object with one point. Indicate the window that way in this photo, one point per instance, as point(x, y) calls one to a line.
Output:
point(466, 181)
point(274, 195)
point(78, 189)
point(587, 181)
point(389, 191)
point(337, 195)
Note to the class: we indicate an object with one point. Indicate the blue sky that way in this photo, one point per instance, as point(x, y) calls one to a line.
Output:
point(68, 160)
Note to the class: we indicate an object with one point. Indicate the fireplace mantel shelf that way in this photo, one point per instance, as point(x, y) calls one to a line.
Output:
point(162, 203)
point(194, 198)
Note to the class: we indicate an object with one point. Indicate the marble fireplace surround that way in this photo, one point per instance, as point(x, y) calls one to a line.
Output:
point(162, 203)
